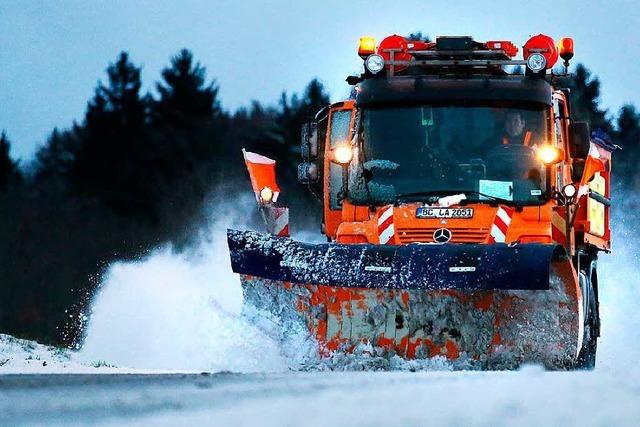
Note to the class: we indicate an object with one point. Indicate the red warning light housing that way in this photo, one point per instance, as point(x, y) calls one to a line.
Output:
point(395, 42)
point(509, 48)
point(544, 45)
point(566, 48)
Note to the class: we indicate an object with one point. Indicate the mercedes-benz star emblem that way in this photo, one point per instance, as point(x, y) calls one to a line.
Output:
point(442, 235)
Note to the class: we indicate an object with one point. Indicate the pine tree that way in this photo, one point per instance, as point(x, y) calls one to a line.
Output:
point(121, 98)
point(628, 137)
point(189, 153)
point(184, 93)
point(54, 159)
point(628, 123)
point(9, 171)
point(186, 118)
point(419, 37)
point(585, 99)
point(110, 159)
point(293, 113)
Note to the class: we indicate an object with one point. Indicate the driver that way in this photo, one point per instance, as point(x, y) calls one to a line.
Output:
point(514, 127)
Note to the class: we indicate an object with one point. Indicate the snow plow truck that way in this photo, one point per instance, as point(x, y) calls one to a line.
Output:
point(463, 208)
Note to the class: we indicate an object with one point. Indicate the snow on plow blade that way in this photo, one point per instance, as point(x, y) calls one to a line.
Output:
point(492, 305)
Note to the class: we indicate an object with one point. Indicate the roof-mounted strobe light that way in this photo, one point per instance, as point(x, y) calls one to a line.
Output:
point(565, 46)
point(540, 46)
point(374, 63)
point(395, 48)
point(366, 46)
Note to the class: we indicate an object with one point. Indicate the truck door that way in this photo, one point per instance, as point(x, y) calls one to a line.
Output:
point(341, 120)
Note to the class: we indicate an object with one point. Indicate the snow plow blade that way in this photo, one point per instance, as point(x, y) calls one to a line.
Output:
point(495, 306)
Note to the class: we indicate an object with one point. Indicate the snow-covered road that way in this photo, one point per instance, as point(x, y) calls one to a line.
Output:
point(530, 397)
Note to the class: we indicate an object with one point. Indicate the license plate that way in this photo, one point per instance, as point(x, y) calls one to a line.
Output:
point(429, 212)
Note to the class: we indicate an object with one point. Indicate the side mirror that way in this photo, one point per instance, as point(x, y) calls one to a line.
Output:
point(309, 141)
point(579, 140)
point(307, 173)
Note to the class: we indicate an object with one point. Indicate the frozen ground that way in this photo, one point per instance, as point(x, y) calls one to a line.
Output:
point(180, 313)
point(529, 397)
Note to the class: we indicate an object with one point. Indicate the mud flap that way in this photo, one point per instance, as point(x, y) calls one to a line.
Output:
point(470, 267)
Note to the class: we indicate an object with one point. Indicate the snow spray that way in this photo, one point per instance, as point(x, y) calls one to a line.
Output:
point(182, 311)
point(619, 289)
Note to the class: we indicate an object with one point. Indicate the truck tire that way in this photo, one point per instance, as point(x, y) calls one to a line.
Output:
point(587, 357)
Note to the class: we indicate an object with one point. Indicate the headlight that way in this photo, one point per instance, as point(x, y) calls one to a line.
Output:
point(374, 63)
point(550, 154)
point(342, 154)
point(266, 195)
point(536, 62)
point(569, 190)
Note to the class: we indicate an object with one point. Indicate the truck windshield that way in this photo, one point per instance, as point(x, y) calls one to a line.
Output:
point(418, 153)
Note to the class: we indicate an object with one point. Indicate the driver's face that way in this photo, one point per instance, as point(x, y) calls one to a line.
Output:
point(514, 125)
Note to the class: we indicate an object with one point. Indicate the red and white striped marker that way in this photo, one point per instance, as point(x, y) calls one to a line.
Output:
point(386, 230)
point(276, 219)
point(500, 224)
point(281, 222)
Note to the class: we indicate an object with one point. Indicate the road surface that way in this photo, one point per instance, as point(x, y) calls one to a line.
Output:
point(529, 397)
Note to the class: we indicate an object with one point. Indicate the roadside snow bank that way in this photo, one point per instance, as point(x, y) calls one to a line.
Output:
point(18, 356)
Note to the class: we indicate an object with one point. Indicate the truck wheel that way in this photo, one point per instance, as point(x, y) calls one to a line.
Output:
point(587, 357)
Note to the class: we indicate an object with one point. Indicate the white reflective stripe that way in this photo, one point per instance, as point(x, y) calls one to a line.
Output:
point(377, 268)
point(461, 269)
point(504, 216)
point(387, 234)
point(257, 158)
point(385, 215)
point(497, 234)
point(275, 196)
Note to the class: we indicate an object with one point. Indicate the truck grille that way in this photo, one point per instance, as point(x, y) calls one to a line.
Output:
point(458, 235)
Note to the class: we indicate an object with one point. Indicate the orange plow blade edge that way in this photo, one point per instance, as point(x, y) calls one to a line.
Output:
point(485, 324)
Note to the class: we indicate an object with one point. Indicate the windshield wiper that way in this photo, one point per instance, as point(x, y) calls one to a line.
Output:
point(434, 196)
point(430, 196)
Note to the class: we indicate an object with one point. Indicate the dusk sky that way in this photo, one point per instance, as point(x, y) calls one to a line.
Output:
point(52, 53)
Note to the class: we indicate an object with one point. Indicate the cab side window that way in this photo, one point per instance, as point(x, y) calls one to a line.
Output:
point(317, 187)
point(560, 120)
point(340, 133)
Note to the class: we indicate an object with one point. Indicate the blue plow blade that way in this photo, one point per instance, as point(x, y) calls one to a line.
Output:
point(471, 267)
